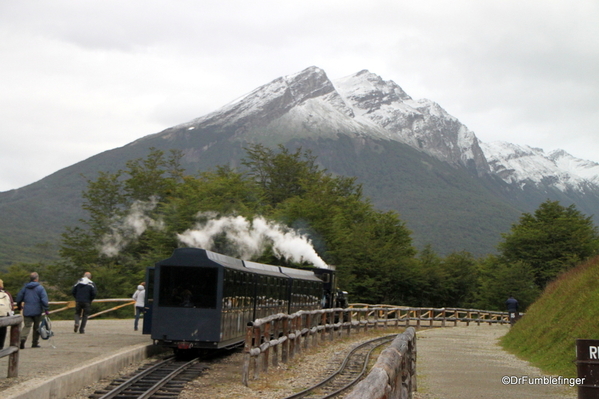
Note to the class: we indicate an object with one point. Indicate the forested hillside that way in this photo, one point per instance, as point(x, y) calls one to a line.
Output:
point(138, 215)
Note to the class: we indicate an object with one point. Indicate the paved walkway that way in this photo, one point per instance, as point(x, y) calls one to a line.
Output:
point(467, 363)
point(70, 360)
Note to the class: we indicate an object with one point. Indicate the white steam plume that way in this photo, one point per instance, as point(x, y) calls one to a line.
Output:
point(130, 227)
point(250, 238)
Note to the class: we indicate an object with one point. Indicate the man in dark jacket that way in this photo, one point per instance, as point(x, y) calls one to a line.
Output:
point(512, 308)
point(36, 302)
point(84, 292)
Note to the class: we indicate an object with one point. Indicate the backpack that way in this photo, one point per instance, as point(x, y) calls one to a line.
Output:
point(5, 304)
point(45, 328)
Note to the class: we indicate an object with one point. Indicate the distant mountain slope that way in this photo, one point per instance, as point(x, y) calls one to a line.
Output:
point(411, 156)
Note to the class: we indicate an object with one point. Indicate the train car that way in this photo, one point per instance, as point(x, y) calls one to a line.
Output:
point(204, 300)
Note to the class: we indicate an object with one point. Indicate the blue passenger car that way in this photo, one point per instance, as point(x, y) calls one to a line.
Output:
point(205, 300)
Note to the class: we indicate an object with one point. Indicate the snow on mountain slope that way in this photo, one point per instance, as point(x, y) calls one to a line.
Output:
point(308, 104)
point(422, 124)
point(520, 165)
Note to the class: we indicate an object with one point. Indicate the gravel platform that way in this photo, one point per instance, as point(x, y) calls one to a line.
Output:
point(108, 342)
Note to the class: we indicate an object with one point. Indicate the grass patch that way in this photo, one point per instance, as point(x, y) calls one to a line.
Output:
point(568, 309)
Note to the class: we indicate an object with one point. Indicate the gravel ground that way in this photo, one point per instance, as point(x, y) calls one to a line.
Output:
point(467, 363)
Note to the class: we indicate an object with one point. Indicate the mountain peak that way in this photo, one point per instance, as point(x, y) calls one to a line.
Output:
point(369, 92)
point(307, 104)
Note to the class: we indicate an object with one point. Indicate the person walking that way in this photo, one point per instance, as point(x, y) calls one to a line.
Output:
point(512, 308)
point(140, 302)
point(36, 302)
point(6, 309)
point(84, 292)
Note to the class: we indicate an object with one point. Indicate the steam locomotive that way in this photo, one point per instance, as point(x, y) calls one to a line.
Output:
point(198, 299)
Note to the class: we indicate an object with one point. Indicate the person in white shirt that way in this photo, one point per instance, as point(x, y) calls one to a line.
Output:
point(140, 300)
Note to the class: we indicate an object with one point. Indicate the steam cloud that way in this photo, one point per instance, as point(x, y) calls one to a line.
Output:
point(129, 228)
point(250, 238)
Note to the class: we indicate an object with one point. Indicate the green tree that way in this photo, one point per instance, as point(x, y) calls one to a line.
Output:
point(461, 279)
point(432, 290)
point(550, 241)
point(281, 173)
point(115, 204)
point(498, 280)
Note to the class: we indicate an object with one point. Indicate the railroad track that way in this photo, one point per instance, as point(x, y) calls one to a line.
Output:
point(161, 380)
point(351, 371)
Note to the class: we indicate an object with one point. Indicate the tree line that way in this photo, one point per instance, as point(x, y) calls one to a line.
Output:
point(371, 249)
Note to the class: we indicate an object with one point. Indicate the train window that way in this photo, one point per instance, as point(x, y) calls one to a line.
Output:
point(189, 287)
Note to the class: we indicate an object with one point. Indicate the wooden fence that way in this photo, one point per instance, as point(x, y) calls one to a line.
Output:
point(434, 316)
point(12, 351)
point(394, 374)
point(282, 336)
point(72, 304)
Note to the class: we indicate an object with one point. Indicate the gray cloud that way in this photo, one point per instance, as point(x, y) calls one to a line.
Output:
point(79, 78)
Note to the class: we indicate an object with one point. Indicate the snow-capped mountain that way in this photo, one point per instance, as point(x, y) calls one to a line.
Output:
point(308, 105)
point(422, 124)
point(409, 156)
point(522, 165)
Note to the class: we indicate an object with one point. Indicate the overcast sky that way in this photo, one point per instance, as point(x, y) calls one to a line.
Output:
point(81, 77)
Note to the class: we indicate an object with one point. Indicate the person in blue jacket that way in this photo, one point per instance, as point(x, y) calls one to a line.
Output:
point(84, 292)
point(512, 308)
point(36, 303)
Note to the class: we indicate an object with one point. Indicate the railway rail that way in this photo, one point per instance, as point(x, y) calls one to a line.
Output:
point(164, 379)
point(351, 371)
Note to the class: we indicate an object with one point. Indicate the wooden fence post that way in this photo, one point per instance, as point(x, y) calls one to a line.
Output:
point(275, 349)
point(293, 338)
point(266, 353)
point(285, 349)
point(257, 338)
point(323, 323)
point(308, 326)
point(247, 346)
point(13, 358)
point(299, 322)
point(349, 322)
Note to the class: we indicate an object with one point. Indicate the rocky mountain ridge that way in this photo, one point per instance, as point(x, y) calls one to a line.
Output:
point(308, 104)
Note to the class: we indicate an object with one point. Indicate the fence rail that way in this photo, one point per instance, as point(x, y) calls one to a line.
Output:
point(399, 314)
point(72, 304)
point(282, 336)
point(393, 376)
